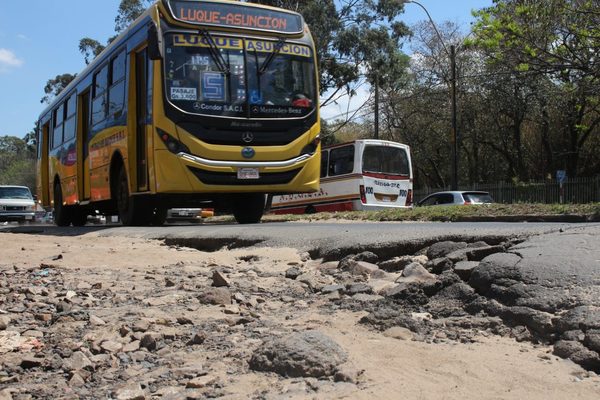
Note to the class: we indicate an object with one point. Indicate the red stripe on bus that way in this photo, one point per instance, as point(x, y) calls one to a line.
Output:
point(386, 176)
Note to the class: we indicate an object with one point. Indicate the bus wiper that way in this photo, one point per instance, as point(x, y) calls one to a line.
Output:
point(215, 53)
point(278, 46)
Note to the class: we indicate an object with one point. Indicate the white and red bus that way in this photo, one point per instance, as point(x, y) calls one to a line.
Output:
point(361, 175)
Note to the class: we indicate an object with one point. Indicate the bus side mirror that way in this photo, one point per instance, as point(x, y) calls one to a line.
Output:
point(154, 43)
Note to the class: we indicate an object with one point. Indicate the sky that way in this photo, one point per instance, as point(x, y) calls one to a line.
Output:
point(38, 42)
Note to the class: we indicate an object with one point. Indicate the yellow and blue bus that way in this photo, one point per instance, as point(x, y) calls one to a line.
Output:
point(199, 103)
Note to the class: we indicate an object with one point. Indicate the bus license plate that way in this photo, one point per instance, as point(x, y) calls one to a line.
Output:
point(248, 173)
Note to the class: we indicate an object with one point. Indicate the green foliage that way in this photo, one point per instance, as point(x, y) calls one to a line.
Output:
point(55, 86)
point(90, 48)
point(17, 162)
point(353, 36)
point(557, 41)
point(493, 212)
point(128, 12)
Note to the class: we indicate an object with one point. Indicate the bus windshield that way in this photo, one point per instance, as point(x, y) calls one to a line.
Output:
point(221, 76)
point(385, 160)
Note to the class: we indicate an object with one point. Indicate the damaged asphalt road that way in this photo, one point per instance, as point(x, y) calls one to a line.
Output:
point(541, 280)
point(140, 311)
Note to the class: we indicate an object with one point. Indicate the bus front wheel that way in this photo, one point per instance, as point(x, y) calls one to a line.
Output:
point(130, 210)
point(249, 208)
point(61, 212)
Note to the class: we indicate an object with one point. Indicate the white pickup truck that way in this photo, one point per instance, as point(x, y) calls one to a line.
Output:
point(16, 204)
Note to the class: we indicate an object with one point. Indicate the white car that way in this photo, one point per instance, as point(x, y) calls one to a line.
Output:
point(456, 198)
point(16, 204)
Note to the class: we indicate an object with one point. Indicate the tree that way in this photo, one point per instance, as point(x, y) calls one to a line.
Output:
point(55, 86)
point(90, 48)
point(354, 39)
point(17, 162)
point(559, 40)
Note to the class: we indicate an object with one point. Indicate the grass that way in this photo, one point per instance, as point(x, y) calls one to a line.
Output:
point(500, 212)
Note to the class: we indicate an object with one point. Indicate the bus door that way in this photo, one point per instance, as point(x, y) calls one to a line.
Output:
point(84, 141)
point(143, 109)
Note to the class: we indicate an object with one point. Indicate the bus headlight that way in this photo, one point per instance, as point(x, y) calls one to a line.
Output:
point(174, 145)
point(311, 148)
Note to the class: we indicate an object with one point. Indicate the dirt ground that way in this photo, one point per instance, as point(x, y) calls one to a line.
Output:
point(107, 317)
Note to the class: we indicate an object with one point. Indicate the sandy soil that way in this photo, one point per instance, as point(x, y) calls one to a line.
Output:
point(121, 281)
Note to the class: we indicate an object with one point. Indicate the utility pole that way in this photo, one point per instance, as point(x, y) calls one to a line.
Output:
point(376, 106)
point(454, 127)
point(452, 55)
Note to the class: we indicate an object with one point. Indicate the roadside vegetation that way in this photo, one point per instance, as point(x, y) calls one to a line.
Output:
point(492, 212)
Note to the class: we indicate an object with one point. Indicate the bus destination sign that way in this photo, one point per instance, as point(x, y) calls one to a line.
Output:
point(235, 16)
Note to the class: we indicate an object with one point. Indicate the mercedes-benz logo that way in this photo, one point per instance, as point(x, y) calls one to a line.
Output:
point(247, 137)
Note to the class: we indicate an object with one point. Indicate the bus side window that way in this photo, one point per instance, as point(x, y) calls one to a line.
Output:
point(324, 163)
point(99, 104)
point(70, 122)
point(57, 132)
point(341, 160)
point(116, 95)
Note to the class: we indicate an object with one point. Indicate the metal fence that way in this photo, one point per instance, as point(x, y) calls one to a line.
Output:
point(576, 190)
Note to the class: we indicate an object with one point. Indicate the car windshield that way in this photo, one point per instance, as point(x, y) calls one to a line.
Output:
point(385, 160)
point(216, 75)
point(15, 193)
point(478, 197)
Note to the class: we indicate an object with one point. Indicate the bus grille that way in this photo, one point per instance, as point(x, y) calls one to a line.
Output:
point(227, 178)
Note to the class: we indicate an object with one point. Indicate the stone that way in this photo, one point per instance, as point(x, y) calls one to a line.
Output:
point(130, 392)
point(328, 267)
point(362, 268)
point(592, 340)
point(332, 288)
point(215, 296)
point(366, 297)
point(442, 249)
point(492, 268)
point(439, 265)
point(95, 321)
point(198, 338)
point(33, 333)
point(367, 256)
point(4, 322)
point(458, 255)
point(219, 280)
point(347, 373)
point(582, 317)
point(44, 317)
point(141, 325)
point(293, 273)
point(110, 346)
point(150, 341)
point(479, 253)
point(398, 332)
point(76, 381)
point(396, 264)
point(77, 361)
point(464, 269)
point(201, 381)
point(415, 272)
point(131, 347)
point(357, 288)
point(29, 362)
point(577, 353)
point(301, 354)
